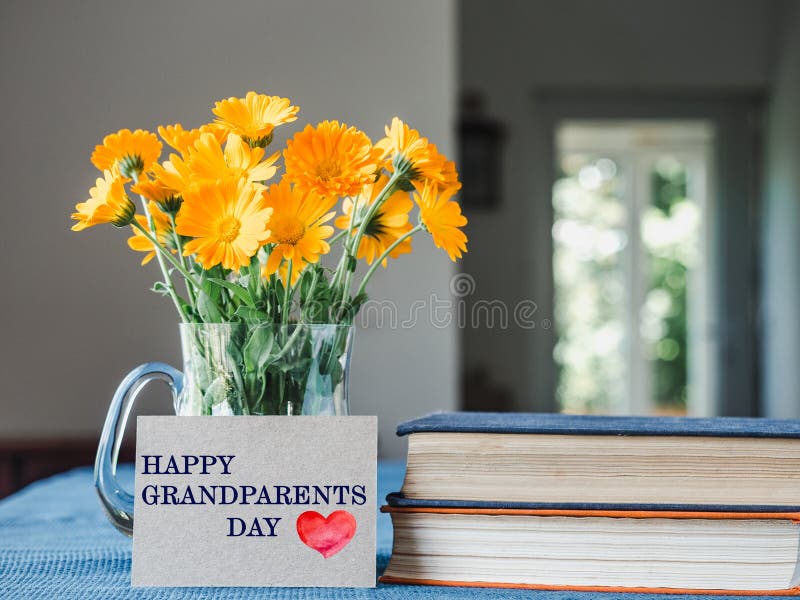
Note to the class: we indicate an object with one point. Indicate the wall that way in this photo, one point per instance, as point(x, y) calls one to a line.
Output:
point(510, 50)
point(781, 231)
point(75, 310)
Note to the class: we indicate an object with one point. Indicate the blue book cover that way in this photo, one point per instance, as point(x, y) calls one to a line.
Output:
point(398, 500)
point(546, 423)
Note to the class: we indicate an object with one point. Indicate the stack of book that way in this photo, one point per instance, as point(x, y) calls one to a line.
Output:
point(674, 505)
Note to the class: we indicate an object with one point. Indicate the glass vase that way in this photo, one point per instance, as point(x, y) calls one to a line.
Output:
point(233, 369)
point(237, 369)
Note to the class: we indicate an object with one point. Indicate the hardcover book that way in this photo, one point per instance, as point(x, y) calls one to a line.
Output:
point(616, 551)
point(571, 462)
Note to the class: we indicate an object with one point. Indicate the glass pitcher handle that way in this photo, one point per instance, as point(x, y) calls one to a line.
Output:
point(117, 502)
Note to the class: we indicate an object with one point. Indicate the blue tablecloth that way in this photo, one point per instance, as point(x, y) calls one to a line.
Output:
point(55, 542)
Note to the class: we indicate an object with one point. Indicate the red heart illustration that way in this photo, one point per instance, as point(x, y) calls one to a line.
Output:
point(326, 536)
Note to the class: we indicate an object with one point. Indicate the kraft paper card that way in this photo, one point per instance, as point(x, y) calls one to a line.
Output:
point(255, 501)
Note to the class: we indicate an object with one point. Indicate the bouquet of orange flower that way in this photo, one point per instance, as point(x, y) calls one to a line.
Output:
point(247, 247)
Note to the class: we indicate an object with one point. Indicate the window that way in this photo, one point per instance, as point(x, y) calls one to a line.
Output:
point(632, 292)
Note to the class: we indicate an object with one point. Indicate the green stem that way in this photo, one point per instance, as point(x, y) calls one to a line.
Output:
point(348, 232)
point(179, 246)
point(309, 294)
point(385, 254)
point(161, 251)
point(289, 343)
point(166, 254)
point(352, 250)
point(313, 286)
point(151, 235)
point(353, 216)
point(382, 197)
point(287, 295)
point(337, 237)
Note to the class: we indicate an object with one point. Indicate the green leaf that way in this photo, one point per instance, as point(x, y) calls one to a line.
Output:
point(258, 349)
point(159, 287)
point(251, 315)
point(235, 343)
point(280, 291)
point(187, 309)
point(254, 276)
point(237, 290)
point(213, 291)
point(250, 380)
point(207, 309)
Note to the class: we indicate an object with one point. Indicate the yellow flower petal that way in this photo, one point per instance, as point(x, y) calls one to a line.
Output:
point(156, 191)
point(182, 139)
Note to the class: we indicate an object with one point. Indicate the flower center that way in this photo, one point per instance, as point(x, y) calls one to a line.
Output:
point(328, 168)
point(288, 230)
point(228, 229)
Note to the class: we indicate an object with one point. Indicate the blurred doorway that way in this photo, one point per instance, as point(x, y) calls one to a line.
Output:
point(667, 244)
point(632, 215)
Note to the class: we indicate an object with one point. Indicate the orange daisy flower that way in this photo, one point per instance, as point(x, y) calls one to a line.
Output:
point(255, 116)
point(331, 159)
point(133, 152)
point(297, 225)
point(228, 221)
point(405, 144)
point(107, 203)
point(442, 217)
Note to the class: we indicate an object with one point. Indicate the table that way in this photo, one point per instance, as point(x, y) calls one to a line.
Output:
point(55, 542)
